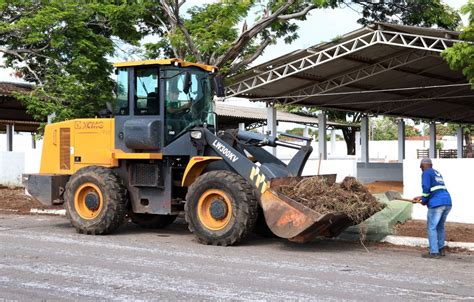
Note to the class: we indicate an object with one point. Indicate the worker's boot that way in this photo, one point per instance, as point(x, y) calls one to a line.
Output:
point(442, 252)
point(430, 255)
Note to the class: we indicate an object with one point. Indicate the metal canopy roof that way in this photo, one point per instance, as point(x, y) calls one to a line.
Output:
point(12, 111)
point(256, 117)
point(349, 73)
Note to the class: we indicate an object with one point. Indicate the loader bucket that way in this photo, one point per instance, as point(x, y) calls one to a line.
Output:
point(290, 219)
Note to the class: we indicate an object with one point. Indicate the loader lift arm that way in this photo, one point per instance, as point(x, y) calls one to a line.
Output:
point(269, 166)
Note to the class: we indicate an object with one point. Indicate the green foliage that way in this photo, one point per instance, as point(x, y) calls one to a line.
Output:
point(426, 13)
point(219, 32)
point(441, 130)
point(387, 129)
point(296, 131)
point(311, 133)
point(62, 47)
point(461, 55)
point(411, 131)
point(384, 129)
point(439, 145)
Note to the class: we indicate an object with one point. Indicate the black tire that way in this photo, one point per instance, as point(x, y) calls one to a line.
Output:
point(111, 210)
point(242, 216)
point(151, 221)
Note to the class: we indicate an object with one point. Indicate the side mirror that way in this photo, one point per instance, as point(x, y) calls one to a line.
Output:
point(187, 82)
point(218, 84)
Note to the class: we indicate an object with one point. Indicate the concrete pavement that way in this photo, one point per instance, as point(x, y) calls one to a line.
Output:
point(41, 257)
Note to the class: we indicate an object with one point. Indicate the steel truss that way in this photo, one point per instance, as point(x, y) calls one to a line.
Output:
point(354, 76)
point(411, 41)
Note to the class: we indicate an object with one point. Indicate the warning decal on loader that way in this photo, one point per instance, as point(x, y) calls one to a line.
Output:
point(258, 178)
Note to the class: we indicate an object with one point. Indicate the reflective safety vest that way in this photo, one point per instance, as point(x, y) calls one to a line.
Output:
point(435, 193)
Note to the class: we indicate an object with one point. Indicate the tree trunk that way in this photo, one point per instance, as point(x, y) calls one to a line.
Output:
point(349, 136)
point(468, 139)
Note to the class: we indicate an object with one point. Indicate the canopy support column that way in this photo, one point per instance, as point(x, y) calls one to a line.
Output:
point(459, 138)
point(333, 142)
point(364, 139)
point(432, 152)
point(401, 140)
point(242, 126)
point(272, 122)
point(33, 141)
point(10, 130)
point(323, 151)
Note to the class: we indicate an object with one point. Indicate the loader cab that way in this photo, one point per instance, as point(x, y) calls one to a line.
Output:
point(158, 101)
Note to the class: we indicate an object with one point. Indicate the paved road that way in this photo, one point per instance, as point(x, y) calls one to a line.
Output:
point(42, 257)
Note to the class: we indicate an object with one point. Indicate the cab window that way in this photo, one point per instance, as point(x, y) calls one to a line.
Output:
point(146, 92)
point(188, 101)
point(121, 106)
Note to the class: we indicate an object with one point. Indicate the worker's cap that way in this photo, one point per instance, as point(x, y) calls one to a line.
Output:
point(426, 161)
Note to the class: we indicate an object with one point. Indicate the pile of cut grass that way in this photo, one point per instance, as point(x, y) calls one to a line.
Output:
point(349, 197)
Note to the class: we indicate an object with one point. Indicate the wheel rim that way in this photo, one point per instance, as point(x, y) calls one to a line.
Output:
point(214, 209)
point(88, 201)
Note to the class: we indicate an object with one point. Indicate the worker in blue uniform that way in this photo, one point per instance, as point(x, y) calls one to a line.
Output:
point(437, 198)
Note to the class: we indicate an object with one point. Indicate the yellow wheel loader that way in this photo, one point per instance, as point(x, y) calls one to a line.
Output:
point(160, 154)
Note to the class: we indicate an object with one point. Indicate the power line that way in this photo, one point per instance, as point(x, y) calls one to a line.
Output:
point(360, 92)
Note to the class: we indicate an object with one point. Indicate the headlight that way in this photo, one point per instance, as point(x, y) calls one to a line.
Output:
point(196, 134)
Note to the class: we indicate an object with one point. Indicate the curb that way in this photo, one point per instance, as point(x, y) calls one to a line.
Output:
point(423, 242)
point(48, 211)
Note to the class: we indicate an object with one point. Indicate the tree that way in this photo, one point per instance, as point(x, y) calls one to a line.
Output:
point(461, 57)
point(411, 131)
point(209, 34)
point(441, 130)
point(468, 130)
point(63, 47)
point(408, 12)
point(349, 132)
point(384, 129)
point(387, 129)
point(425, 13)
point(296, 131)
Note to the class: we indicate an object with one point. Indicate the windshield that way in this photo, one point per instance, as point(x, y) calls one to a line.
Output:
point(188, 101)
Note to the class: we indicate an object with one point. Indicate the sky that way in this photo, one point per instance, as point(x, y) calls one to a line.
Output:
point(321, 25)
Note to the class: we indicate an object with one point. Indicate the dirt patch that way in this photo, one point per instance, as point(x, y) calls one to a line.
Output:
point(456, 232)
point(378, 187)
point(16, 201)
point(349, 197)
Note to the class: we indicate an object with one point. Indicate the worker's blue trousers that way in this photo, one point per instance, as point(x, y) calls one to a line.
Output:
point(436, 232)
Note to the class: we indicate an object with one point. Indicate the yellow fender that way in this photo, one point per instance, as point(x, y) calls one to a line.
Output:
point(195, 167)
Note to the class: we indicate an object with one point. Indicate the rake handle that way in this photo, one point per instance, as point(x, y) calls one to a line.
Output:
point(409, 200)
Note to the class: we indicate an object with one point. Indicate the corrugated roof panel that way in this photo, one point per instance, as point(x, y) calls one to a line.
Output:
point(391, 64)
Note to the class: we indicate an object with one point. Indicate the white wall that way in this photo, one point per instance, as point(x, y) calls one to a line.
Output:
point(341, 167)
point(21, 142)
point(12, 165)
point(457, 174)
point(23, 159)
point(381, 151)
